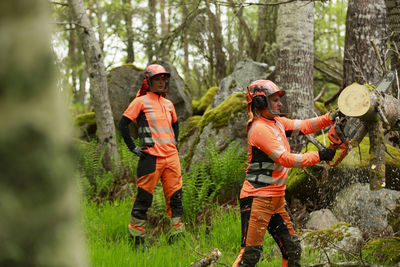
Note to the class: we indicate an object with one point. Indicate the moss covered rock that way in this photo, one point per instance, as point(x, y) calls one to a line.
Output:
point(86, 124)
point(199, 107)
point(220, 115)
point(333, 241)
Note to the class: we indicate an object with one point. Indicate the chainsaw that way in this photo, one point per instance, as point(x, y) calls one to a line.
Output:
point(347, 132)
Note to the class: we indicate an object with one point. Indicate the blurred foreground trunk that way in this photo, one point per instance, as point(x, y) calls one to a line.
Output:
point(39, 199)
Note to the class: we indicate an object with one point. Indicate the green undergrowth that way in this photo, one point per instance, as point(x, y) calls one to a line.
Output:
point(106, 230)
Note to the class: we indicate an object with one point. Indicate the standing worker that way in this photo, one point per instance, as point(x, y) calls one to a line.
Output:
point(262, 198)
point(158, 133)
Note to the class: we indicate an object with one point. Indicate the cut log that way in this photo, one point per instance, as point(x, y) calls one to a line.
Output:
point(359, 101)
point(376, 111)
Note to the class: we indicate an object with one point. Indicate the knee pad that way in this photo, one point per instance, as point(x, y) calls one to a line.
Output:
point(176, 204)
point(142, 203)
point(251, 256)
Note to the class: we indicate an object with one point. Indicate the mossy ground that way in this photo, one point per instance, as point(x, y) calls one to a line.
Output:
point(383, 250)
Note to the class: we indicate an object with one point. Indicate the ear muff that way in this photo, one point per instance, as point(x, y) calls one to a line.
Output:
point(260, 101)
point(145, 85)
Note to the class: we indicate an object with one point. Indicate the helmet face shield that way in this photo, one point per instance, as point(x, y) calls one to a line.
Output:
point(277, 104)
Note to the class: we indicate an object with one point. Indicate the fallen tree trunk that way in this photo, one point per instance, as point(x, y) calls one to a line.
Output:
point(377, 111)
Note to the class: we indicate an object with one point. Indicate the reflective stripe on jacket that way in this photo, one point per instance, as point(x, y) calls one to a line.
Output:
point(269, 153)
point(155, 115)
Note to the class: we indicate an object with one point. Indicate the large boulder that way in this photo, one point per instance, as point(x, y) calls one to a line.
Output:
point(244, 73)
point(224, 121)
point(369, 210)
point(125, 81)
point(321, 219)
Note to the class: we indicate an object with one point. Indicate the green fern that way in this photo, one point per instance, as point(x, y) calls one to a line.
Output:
point(218, 176)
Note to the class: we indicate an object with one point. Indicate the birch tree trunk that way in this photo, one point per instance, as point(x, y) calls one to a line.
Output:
point(393, 20)
point(295, 37)
point(39, 221)
point(365, 21)
point(98, 86)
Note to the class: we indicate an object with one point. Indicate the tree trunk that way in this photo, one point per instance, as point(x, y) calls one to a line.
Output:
point(365, 21)
point(185, 44)
point(129, 32)
point(294, 68)
point(393, 20)
point(261, 35)
point(99, 16)
point(98, 86)
point(40, 224)
point(152, 31)
point(217, 43)
point(82, 85)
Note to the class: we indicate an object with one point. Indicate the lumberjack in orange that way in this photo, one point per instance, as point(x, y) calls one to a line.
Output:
point(158, 132)
point(262, 198)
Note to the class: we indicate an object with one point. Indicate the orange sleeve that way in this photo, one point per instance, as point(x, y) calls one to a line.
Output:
point(298, 127)
point(266, 139)
point(134, 108)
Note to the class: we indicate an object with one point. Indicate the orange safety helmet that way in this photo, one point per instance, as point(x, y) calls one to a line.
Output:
point(258, 93)
point(149, 72)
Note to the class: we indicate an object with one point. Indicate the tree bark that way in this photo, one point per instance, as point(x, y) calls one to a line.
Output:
point(99, 16)
point(295, 61)
point(217, 43)
point(98, 86)
point(393, 20)
point(365, 21)
point(152, 31)
point(129, 32)
point(40, 224)
point(185, 43)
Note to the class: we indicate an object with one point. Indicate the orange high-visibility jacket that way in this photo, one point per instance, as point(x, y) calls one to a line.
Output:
point(155, 115)
point(269, 153)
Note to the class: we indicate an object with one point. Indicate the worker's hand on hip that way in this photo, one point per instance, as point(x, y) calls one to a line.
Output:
point(326, 154)
point(139, 152)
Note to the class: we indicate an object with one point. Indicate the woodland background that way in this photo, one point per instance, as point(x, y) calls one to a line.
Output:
point(55, 61)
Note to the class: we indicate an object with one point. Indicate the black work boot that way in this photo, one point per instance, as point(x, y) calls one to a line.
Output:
point(138, 243)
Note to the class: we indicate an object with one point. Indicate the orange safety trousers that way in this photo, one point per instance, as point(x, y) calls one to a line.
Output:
point(150, 170)
point(259, 214)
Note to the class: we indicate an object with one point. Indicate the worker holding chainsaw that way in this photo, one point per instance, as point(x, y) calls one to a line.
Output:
point(158, 133)
point(262, 198)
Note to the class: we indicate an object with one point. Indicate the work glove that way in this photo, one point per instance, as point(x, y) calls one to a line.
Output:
point(326, 154)
point(335, 113)
point(139, 152)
